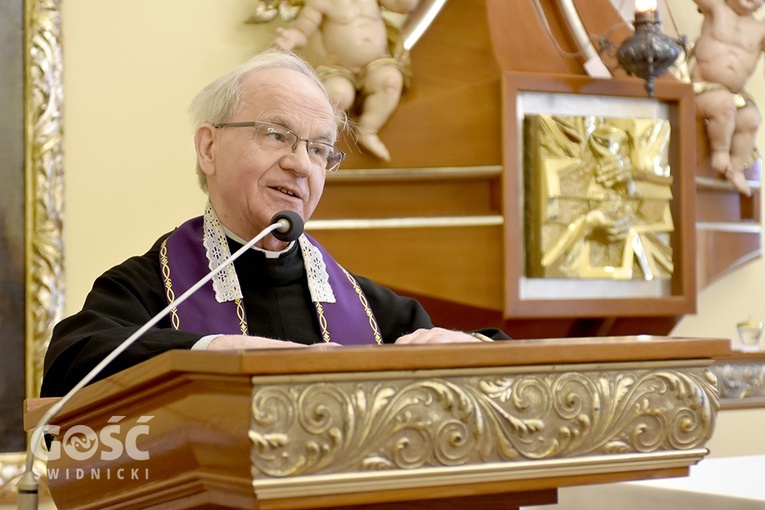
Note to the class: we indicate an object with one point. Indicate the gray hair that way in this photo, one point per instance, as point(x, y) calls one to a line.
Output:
point(219, 101)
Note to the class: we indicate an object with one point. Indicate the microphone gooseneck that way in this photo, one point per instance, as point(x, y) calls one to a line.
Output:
point(291, 225)
point(285, 226)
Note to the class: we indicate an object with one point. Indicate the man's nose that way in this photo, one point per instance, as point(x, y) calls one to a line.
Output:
point(298, 160)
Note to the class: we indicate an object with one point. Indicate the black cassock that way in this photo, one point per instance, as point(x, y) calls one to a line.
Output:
point(276, 299)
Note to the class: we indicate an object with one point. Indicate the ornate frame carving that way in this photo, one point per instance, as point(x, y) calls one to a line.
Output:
point(44, 168)
point(741, 380)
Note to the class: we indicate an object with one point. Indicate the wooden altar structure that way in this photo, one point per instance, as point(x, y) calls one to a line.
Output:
point(498, 425)
point(448, 200)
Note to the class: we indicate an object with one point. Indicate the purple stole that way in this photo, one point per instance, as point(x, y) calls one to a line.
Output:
point(183, 258)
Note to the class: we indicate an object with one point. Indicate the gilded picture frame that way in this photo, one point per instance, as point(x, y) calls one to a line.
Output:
point(533, 286)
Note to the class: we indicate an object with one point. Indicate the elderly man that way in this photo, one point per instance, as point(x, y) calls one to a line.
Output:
point(264, 142)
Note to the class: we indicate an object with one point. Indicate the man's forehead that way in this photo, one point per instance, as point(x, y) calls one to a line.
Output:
point(278, 78)
point(284, 82)
point(286, 101)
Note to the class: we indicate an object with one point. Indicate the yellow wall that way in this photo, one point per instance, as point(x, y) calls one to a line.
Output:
point(129, 153)
point(131, 69)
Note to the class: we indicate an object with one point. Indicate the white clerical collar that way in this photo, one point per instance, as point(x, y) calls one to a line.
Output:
point(226, 283)
point(268, 253)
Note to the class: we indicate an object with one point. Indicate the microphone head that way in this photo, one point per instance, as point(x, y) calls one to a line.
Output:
point(291, 225)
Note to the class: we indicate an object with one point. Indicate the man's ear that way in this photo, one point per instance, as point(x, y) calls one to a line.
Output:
point(204, 142)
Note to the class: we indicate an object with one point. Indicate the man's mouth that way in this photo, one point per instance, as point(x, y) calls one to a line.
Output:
point(286, 191)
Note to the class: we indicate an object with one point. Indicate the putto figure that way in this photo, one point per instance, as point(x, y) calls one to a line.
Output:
point(364, 65)
point(726, 55)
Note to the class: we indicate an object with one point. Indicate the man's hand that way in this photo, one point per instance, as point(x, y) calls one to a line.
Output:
point(237, 342)
point(436, 336)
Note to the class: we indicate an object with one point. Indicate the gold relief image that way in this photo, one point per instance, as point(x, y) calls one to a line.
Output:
point(597, 198)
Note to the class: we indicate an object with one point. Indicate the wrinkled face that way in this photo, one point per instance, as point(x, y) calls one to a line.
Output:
point(248, 183)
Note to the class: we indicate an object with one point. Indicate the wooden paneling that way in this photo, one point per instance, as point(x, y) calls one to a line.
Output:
point(421, 197)
point(461, 265)
point(719, 204)
point(528, 40)
point(450, 114)
point(200, 410)
point(452, 117)
point(721, 251)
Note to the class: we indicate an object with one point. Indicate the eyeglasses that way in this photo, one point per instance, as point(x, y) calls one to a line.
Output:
point(275, 137)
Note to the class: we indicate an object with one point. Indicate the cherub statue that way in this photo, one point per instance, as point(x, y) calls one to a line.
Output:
point(363, 59)
point(726, 54)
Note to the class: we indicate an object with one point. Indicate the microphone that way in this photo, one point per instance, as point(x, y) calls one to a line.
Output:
point(291, 225)
point(285, 226)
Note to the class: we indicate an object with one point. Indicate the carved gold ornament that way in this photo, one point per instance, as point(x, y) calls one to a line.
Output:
point(482, 418)
point(45, 188)
point(598, 194)
point(741, 381)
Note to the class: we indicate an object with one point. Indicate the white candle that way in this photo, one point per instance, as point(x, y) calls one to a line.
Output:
point(645, 5)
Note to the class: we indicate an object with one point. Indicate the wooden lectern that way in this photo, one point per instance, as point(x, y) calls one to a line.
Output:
point(490, 425)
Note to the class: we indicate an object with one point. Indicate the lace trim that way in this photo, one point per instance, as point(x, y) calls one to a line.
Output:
point(225, 283)
point(316, 270)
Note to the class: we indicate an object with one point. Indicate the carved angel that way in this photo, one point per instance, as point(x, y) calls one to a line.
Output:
point(726, 54)
point(365, 64)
